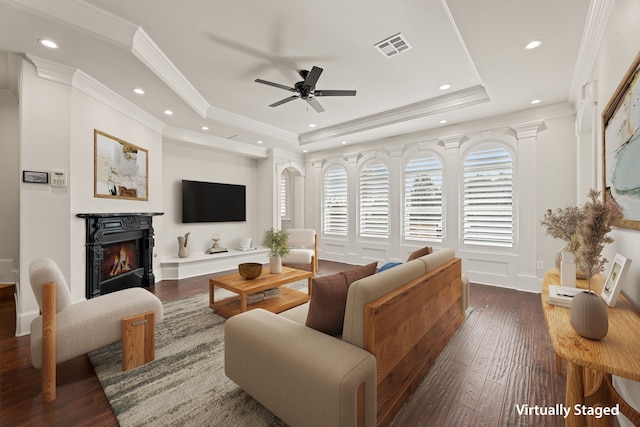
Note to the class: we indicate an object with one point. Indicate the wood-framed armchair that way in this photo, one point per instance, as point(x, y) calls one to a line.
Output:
point(303, 243)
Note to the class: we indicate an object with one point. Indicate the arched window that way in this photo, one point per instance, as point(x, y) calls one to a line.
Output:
point(334, 195)
point(488, 197)
point(423, 199)
point(374, 200)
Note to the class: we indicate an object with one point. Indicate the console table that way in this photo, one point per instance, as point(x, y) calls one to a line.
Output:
point(590, 363)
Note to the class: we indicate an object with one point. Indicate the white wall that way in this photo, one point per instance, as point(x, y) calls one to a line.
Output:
point(184, 161)
point(56, 132)
point(10, 177)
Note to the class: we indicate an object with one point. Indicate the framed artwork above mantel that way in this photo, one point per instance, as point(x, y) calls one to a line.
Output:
point(121, 169)
point(621, 148)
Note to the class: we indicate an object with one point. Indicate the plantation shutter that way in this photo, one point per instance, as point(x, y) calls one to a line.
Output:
point(374, 200)
point(335, 216)
point(488, 198)
point(423, 199)
point(283, 195)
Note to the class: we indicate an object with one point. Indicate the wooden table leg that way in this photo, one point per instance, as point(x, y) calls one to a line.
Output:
point(243, 302)
point(574, 395)
point(212, 298)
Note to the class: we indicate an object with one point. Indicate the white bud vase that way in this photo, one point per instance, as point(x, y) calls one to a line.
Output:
point(275, 264)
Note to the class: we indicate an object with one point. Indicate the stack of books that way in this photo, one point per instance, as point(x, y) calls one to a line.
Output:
point(261, 296)
point(562, 295)
point(271, 293)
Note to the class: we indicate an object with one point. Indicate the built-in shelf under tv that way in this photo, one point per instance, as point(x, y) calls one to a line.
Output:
point(213, 202)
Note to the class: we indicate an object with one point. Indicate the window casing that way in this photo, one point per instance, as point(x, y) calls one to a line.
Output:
point(374, 200)
point(335, 219)
point(423, 212)
point(487, 211)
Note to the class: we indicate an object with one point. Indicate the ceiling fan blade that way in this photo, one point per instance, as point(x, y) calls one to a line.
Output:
point(284, 101)
point(312, 78)
point(315, 104)
point(290, 89)
point(335, 93)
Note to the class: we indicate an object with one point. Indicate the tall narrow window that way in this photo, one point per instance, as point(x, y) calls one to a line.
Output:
point(284, 200)
point(374, 200)
point(423, 199)
point(488, 198)
point(334, 191)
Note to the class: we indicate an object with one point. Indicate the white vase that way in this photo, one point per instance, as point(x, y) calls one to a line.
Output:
point(275, 264)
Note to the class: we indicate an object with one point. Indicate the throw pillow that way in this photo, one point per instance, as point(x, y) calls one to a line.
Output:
point(358, 273)
point(420, 253)
point(329, 298)
point(388, 266)
point(328, 301)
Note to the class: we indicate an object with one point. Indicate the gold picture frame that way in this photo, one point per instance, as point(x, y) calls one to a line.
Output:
point(121, 169)
point(620, 146)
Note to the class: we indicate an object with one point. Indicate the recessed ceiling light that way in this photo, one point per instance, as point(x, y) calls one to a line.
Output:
point(443, 121)
point(205, 128)
point(312, 125)
point(343, 142)
point(259, 142)
point(48, 43)
point(305, 151)
point(536, 101)
point(533, 44)
point(168, 112)
point(139, 91)
point(444, 86)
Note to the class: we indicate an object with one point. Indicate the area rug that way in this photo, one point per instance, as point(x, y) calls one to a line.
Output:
point(185, 384)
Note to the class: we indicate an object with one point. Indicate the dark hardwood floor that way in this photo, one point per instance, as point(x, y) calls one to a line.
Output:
point(501, 357)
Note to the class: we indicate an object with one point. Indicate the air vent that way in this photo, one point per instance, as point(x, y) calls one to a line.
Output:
point(393, 45)
point(240, 138)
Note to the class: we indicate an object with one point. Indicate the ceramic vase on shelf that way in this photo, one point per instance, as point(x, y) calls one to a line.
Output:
point(183, 251)
point(589, 316)
point(568, 270)
point(275, 264)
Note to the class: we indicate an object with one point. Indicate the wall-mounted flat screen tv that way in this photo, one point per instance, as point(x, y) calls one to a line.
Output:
point(213, 202)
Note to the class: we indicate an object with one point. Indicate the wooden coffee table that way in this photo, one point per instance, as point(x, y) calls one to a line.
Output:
point(287, 299)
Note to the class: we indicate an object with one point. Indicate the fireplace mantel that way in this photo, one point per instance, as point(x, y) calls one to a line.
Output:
point(103, 229)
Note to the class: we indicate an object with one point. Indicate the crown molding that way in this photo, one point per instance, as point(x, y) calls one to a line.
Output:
point(594, 29)
point(148, 52)
point(82, 15)
point(453, 101)
point(232, 119)
point(51, 70)
point(209, 141)
point(93, 88)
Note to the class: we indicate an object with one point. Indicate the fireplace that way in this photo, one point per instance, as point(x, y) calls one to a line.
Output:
point(119, 248)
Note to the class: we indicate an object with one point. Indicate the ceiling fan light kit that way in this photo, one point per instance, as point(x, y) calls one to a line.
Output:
point(306, 89)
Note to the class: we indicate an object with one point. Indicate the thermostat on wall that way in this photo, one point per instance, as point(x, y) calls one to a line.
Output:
point(58, 178)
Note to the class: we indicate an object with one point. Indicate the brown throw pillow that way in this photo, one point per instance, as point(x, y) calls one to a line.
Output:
point(329, 298)
point(361, 272)
point(328, 301)
point(420, 253)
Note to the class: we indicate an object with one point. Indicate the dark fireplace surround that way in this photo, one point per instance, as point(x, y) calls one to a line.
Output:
point(119, 251)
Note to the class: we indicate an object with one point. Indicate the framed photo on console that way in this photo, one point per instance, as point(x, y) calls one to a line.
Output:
point(615, 279)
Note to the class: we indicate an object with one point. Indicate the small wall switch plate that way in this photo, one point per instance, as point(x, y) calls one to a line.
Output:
point(58, 178)
point(540, 265)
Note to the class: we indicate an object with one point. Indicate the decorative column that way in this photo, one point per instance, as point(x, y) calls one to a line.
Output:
point(451, 191)
point(526, 201)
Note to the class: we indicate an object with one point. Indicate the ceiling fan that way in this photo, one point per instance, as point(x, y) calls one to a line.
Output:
point(306, 89)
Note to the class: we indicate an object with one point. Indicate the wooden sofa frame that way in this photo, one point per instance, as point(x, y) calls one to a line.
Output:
point(406, 336)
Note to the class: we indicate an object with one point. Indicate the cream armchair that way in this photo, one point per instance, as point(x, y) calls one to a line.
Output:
point(304, 248)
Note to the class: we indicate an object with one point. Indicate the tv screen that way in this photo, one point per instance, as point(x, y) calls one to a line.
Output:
point(213, 202)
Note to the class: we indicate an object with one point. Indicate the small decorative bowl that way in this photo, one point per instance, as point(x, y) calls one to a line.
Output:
point(250, 270)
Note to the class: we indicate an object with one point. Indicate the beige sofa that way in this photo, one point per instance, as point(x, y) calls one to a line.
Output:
point(396, 323)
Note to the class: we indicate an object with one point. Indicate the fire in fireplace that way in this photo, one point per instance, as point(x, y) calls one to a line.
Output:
point(119, 258)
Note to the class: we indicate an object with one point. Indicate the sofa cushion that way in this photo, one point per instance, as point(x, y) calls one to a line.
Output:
point(329, 297)
point(420, 253)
